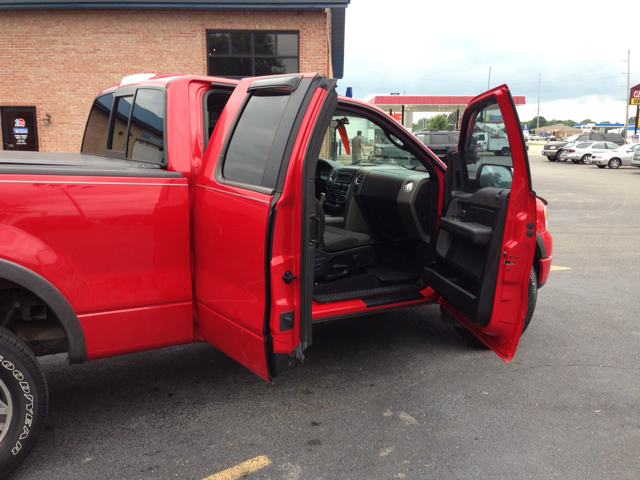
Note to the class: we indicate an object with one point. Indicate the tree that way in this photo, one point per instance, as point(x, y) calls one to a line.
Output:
point(587, 120)
point(438, 122)
point(632, 120)
point(569, 123)
point(534, 123)
point(451, 119)
point(420, 124)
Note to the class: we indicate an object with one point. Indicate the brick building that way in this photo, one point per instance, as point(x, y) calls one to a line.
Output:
point(57, 55)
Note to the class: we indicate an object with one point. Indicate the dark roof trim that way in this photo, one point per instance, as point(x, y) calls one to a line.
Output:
point(172, 5)
point(337, 41)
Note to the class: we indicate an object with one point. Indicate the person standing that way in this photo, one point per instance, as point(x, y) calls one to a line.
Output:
point(357, 150)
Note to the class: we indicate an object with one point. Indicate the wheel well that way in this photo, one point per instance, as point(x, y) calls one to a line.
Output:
point(36, 311)
point(31, 319)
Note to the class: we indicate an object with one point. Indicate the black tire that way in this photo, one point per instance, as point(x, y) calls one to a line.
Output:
point(505, 151)
point(551, 159)
point(557, 157)
point(24, 401)
point(531, 307)
point(614, 163)
point(601, 166)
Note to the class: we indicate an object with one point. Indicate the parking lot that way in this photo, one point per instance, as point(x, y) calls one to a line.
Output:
point(392, 395)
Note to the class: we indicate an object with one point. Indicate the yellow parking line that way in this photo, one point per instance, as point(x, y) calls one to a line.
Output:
point(555, 267)
point(244, 468)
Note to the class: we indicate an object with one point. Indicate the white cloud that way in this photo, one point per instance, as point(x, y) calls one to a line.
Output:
point(447, 48)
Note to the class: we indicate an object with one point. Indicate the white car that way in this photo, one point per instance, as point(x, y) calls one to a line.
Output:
point(581, 152)
point(615, 158)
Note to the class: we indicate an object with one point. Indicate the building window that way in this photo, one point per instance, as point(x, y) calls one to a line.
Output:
point(248, 54)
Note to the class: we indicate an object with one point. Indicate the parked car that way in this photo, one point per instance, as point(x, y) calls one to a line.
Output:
point(534, 137)
point(635, 161)
point(439, 142)
point(390, 154)
point(582, 152)
point(550, 138)
point(615, 158)
point(552, 150)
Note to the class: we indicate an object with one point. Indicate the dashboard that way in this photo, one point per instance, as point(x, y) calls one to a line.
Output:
point(395, 203)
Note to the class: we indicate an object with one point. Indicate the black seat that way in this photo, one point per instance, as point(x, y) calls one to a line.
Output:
point(339, 251)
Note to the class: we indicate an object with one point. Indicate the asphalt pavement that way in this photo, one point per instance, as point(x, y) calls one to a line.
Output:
point(396, 395)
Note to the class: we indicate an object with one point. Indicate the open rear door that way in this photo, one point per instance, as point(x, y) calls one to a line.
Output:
point(247, 220)
point(486, 233)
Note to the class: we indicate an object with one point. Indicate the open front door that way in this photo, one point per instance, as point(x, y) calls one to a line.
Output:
point(248, 219)
point(486, 236)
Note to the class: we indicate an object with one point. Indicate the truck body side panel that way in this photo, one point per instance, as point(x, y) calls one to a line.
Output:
point(109, 245)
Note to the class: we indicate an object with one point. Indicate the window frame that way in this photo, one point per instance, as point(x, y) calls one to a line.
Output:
point(132, 92)
point(253, 55)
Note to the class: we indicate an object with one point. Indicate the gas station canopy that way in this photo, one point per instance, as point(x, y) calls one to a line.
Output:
point(428, 103)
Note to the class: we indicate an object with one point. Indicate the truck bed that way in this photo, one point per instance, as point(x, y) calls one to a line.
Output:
point(47, 163)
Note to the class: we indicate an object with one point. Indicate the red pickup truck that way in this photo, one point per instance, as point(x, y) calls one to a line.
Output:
point(211, 209)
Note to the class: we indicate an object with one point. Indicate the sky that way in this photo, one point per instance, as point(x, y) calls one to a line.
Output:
point(447, 47)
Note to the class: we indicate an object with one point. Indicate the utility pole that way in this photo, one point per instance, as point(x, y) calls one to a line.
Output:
point(626, 115)
point(538, 117)
point(489, 81)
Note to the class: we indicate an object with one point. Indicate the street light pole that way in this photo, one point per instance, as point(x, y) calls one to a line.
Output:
point(538, 117)
point(626, 115)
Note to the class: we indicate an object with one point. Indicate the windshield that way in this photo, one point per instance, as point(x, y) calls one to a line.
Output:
point(572, 138)
point(353, 139)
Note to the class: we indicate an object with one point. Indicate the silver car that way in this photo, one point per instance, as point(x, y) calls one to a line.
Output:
point(615, 158)
point(582, 152)
point(635, 161)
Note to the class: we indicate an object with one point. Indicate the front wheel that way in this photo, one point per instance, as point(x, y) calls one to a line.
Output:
point(531, 306)
point(586, 159)
point(23, 401)
point(614, 163)
point(551, 159)
point(505, 151)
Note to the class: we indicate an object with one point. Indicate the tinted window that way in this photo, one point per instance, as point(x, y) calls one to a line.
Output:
point(248, 152)
point(95, 135)
point(598, 145)
point(120, 123)
point(440, 139)
point(582, 145)
point(424, 139)
point(456, 136)
point(612, 145)
point(245, 54)
point(583, 137)
point(146, 133)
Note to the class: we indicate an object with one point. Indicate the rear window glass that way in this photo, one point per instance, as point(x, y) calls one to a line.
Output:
point(95, 135)
point(440, 139)
point(582, 145)
point(120, 123)
point(599, 145)
point(146, 133)
point(248, 152)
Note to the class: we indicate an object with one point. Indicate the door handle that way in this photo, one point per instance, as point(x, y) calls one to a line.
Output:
point(315, 232)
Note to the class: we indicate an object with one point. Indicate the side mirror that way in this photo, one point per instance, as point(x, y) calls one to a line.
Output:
point(498, 176)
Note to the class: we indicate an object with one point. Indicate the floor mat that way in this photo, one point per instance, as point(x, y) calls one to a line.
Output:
point(394, 275)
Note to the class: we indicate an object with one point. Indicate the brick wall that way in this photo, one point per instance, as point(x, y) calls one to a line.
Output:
point(58, 61)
